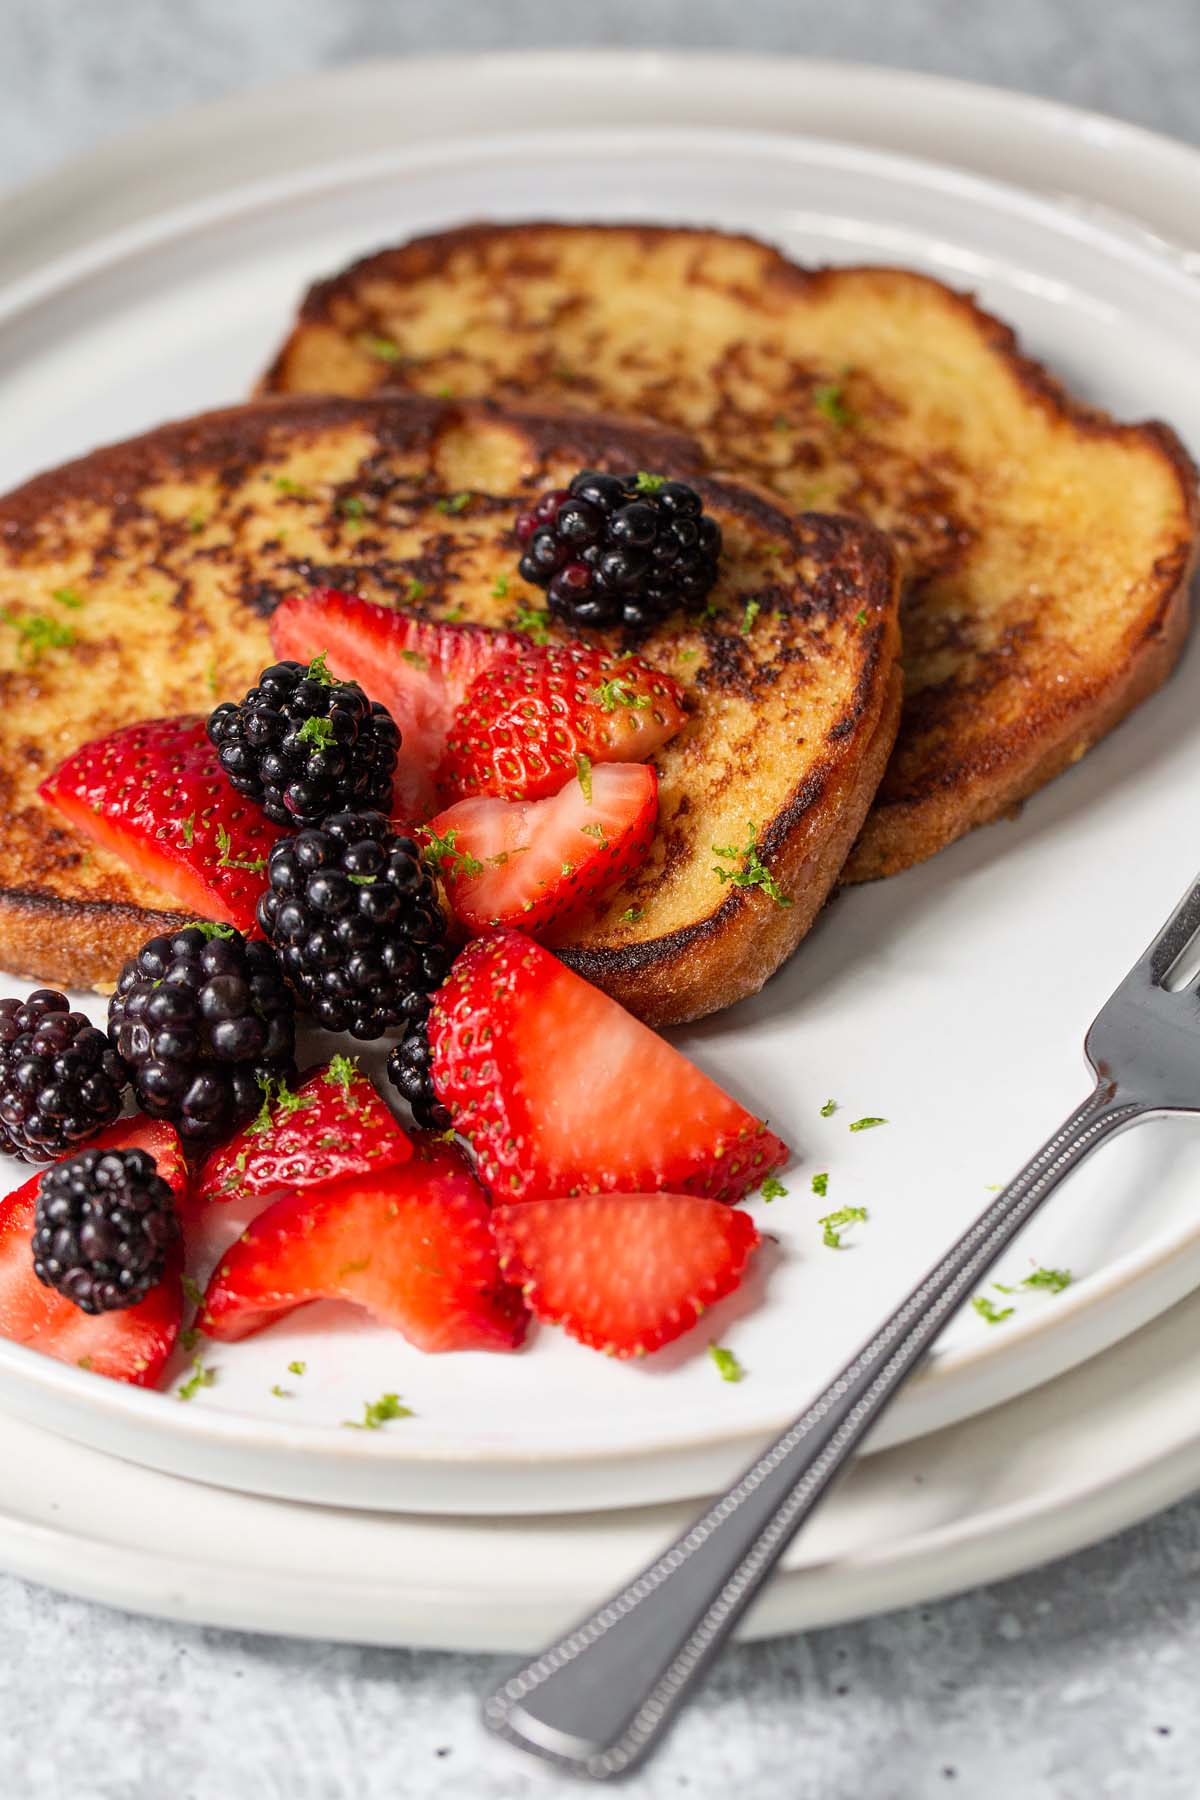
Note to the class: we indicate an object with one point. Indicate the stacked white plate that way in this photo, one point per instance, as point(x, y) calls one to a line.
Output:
point(155, 280)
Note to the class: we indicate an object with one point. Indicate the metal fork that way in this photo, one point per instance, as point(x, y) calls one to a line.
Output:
point(598, 1701)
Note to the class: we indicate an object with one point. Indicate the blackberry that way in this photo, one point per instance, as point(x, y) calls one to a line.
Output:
point(60, 1080)
point(353, 912)
point(620, 549)
point(105, 1220)
point(201, 1018)
point(409, 1071)
point(304, 745)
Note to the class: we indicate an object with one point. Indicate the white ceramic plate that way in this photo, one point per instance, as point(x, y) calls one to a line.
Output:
point(951, 1000)
point(1037, 1478)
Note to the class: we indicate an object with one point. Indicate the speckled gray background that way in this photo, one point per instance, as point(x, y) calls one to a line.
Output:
point(1074, 1683)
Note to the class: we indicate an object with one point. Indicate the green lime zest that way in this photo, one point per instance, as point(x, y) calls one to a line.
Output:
point(534, 621)
point(455, 864)
point(376, 1413)
point(278, 1103)
point(224, 861)
point(830, 402)
point(835, 1223)
point(1053, 1279)
point(317, 733)
point(728, 1366)
point(752, 870)
point(37, 633)
point(200, 1377)
point(384, 349)
point(617, 692)
point(343, 1072)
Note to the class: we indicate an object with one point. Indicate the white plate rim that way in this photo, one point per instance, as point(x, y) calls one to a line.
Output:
point(1003, 133)
point(527, 1604)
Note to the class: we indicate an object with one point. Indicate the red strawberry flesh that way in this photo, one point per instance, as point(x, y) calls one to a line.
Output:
point(625, 1273)
point(333, 1125)
point(559, 1090)
point(155, 795)
point(535, 863)
point(412, 1245)
point(528, 719)
point(420, 669)
point(130, 1345)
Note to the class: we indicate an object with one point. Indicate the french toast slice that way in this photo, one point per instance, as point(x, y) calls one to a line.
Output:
point(138, 582)
point(1046, 549)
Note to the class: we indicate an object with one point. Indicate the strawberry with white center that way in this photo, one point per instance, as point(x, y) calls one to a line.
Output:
point(156, 796)
point(530, 718)
point(536, 863)
point(420, 669)
point(560, 1091)
point(132, 1344)
point(412, 1245)
point(625, 1273)
point(332, 1125)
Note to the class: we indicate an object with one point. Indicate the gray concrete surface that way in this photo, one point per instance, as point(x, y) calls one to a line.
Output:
point(1072, 1683)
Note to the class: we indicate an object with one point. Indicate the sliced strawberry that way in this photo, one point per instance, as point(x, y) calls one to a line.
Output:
point(559, 1090)
point(412, 1245)
point(130, 1345)
point(625, 1273)
point(156, 796)
point(419, 669)
point(332, 1126)
point(534, 863)
point(529, 718)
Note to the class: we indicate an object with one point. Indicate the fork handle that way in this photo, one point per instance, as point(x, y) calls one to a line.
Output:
point(597, 1700)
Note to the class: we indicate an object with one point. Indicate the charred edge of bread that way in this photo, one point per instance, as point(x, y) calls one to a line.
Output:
point(899, 834)
point(103, 935)
point(730, 954)
point(733, 953)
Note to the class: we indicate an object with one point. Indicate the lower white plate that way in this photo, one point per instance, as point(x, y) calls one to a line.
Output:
point(180, 307)
point(1037, 1478)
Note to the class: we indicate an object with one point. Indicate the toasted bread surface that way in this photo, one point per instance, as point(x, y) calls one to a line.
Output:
point(1047, 549)
point(139, 581)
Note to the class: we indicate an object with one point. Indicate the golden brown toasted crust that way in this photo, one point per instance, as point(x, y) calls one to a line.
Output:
point(164, 557)
point(1047, 549)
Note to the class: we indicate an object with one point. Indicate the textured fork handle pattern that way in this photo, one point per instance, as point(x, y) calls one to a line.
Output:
point(597, 1700)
